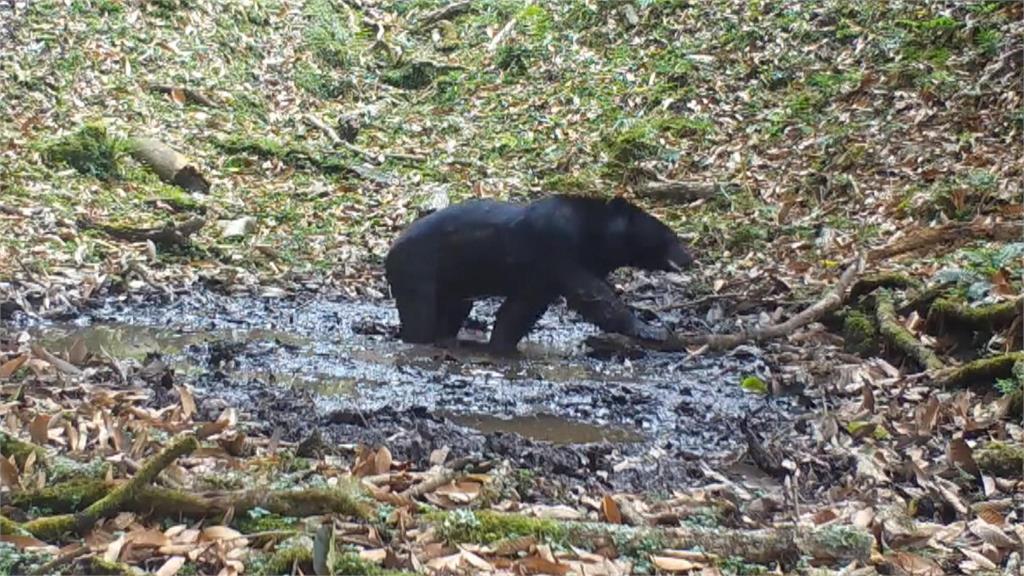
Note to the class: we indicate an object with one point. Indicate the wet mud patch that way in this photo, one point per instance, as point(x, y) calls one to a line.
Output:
point(298, 365)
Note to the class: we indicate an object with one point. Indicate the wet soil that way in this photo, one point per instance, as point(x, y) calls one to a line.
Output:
point(293, 366)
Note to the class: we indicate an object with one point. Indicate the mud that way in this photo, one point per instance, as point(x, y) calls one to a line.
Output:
point(296, 365)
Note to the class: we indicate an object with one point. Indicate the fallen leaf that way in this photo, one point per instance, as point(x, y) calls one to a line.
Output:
point(113, 551)
point(177, 95)
point(9, 473)
point(610, 510)
point(39, 428)
point(148, 539)
point(670, 564)
point(61, 365)
point(11, 366)
point(915, 565)
point(961, 455)
point(538, 565)
point(382, 461)
point(992, 534)
point(238, 227)
point(78, 352)
point(171, 566)
point(188, 403)
point(22, 542)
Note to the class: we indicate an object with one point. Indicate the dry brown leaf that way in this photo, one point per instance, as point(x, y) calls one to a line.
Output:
point(991, 515)
point(171, 566)
point(61, 365)
point(979, 559)
point(672, 564)
point(9, 473)
point(961, 455)
point(610, 510)
point(915, 565)
point(188, 403)
point(38, 429)
point(867, 398)
point(214, 533)
point(148, 539)
point(538, 565)
point(382, 461)
point(11, 366)
point(927, 415)
point(113, 551)
point(992, 534)
point(22, 542)
point(376, 555)
point(178, 95)
point(477, 562)
point(78, 352)
point(513, 546)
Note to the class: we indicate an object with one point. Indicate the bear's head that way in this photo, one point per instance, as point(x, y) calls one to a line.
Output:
point(649, 243)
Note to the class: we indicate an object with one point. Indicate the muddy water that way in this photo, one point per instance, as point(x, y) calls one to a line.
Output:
point(295, 365)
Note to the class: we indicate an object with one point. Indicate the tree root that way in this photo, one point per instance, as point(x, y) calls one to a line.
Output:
point(870, 283)
point(945, 313)
point(52, 527)
point(169, 234)
point(949, 237)
point(980, 373)
point(898, 338)
point(20, 449)
point(783, 543)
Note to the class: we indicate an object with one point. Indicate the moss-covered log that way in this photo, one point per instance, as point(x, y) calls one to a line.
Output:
point(1001, 459)
point(980, 373)
point(921, 300)
point(20, 449)
point(872, 282)
point(860, 333)
point(52, 527)
point(784, 544)
point(948, 314)
point(898, 338)
point(70, 497)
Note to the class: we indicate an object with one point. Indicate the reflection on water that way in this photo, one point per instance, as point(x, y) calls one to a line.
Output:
point(545, 428)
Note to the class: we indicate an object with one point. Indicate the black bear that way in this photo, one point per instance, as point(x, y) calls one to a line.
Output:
point(530, 254)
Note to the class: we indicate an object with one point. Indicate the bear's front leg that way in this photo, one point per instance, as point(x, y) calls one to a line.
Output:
point(515, 318)
point(594, 298)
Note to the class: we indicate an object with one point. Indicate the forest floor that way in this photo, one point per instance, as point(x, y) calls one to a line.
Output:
point(786, 141)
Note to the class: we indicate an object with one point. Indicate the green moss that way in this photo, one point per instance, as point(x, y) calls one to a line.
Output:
point(260, 520)
point(349, 564)
point(90, 150)
point(1001, 459)
point(412, 76)
point(860, 334)
point(65, 497)
point(483, 526)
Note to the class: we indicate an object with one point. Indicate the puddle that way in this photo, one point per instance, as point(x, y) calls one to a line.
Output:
point(294, 365)
point(545, 428)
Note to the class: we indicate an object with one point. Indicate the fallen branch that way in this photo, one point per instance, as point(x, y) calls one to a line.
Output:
point(501, 35)
point(949, 237)
point(980, 373)
point(171, 166)
point(777, 544)
point(869, 284)
point(898, 337)
point(51, 527)
point(69, 497)
point(681, 191)
point(444, 476)
point(169, 234)
point(448, 12)
point(675, 343)
point(365, 154)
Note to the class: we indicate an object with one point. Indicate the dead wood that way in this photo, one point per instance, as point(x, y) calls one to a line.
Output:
point(170, 165)
point(946, 313)
point(780, 543)
point(948, 237)
point(442, 477)
point(678, 342)
point(684, 191)
point(169, 234)
point(872, 282)
point(980, 374)
point(51, 527)
point(453, 10)
point(899, 338)
point(71, 496)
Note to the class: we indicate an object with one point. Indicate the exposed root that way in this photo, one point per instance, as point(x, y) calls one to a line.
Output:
point(898, 338)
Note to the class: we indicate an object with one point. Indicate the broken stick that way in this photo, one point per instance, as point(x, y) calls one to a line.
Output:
point(171, 166)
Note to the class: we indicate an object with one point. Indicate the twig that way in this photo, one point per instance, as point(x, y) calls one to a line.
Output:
point(444, 13)
point(949, 237)
point(675, 343)
point(500, 36)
